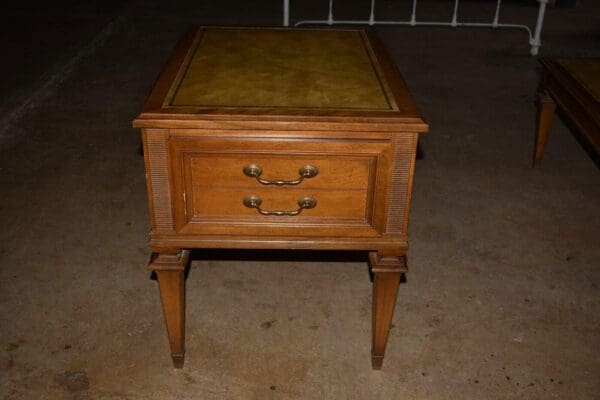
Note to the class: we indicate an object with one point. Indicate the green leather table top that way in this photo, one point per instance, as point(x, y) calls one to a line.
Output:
point(271, 68)
point(586, 71)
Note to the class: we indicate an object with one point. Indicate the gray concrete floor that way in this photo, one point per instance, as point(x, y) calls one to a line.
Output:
point(502, 300)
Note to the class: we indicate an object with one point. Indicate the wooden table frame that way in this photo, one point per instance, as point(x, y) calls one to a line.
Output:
point(559, 88)
point(392, 134)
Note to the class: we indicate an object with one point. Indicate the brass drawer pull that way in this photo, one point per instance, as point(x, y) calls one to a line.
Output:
point(255, 202)
point(255, 170)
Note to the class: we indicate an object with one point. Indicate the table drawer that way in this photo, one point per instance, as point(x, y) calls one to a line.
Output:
point(347, 183)
point(220, 170)
point(321, 203)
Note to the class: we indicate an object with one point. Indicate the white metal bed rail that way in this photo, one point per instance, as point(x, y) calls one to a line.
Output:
point(534, 36)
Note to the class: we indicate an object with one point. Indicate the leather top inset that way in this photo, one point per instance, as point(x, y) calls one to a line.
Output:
point(279, 68)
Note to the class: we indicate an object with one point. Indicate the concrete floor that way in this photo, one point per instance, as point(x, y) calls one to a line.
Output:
point(502, 300)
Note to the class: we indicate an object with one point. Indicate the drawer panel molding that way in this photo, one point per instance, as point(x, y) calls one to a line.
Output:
point(209, 172)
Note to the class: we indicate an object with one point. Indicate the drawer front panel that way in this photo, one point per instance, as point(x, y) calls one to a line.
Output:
point(228, 202)
point(219, 170)
point(350, 188)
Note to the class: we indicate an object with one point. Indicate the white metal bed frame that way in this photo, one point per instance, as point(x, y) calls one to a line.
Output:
point(534, 37)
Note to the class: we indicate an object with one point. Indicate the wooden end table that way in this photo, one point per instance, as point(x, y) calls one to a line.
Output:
point(574, 86)
point(277, 138)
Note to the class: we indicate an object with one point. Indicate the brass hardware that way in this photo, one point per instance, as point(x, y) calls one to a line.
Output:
point(255, 202)
point(255, 170)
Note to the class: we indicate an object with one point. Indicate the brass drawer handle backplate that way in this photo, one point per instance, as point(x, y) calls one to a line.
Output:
point(255, 170)
point(255, 202)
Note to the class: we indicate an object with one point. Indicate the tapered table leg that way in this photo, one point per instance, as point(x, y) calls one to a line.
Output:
point(387, 271)
point(546, 109)
point(170, 271)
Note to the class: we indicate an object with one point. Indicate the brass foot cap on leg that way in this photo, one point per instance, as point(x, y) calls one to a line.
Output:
point(376, 362)
point(178, 360)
